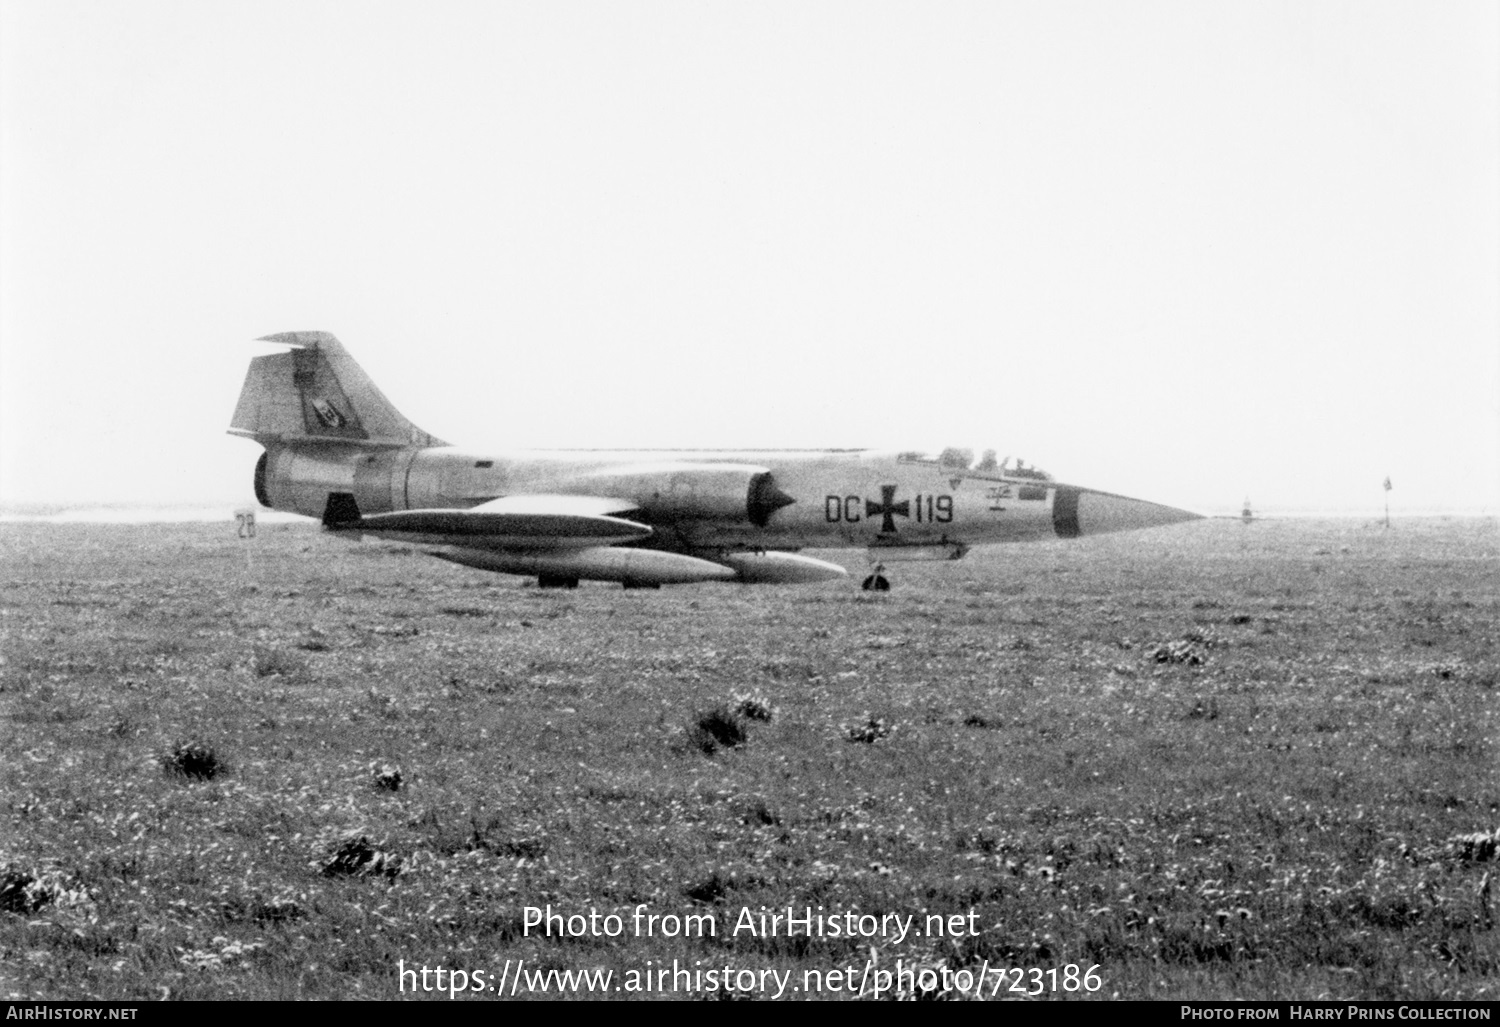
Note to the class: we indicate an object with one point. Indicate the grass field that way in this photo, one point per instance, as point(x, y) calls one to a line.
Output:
point(1211, 761)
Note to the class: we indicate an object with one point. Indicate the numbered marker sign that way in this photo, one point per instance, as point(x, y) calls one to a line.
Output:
point(246, 521)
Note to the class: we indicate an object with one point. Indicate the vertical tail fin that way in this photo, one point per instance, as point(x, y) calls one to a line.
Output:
point(316, 392)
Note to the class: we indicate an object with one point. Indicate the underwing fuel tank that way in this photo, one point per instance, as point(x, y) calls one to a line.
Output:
point(781, 568)
point(498, 530)
point(600, 563)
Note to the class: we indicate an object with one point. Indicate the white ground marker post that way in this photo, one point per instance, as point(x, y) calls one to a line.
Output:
point(244, 519)
point(1387, 502)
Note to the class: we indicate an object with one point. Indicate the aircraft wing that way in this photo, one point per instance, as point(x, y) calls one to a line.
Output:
point(559, 538)
point(578, 506)
point(528, 522)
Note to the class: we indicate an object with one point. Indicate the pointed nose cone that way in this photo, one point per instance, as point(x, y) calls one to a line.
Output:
point(1082, 512)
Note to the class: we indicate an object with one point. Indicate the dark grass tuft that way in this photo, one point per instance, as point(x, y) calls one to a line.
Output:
point(759, 814)
point(275, 911)
point(268, 662)
point(872, 730)
point(523, 848)
point(350, 857)
point(716, 729)
point(194, 760)
point(260, 910)
point(710, 890)
point(357, 856)
point(1179, 652)
point(21, 892)
point(387, 778)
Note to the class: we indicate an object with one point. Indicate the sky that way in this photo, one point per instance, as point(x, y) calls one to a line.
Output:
point(1186, 251)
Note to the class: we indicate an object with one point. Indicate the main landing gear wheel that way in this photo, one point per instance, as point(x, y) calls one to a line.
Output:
point(876, 582)
point(556, 581)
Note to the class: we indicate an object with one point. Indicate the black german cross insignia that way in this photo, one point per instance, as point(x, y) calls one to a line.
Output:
point(888, 507)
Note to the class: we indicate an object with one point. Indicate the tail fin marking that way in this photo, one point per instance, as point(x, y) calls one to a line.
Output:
point(317, 392)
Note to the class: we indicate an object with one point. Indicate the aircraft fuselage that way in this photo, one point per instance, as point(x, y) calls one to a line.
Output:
point(705, 499)
point(338, 450)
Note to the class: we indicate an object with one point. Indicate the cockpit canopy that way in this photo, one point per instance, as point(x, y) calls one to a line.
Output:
point(961, 459)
